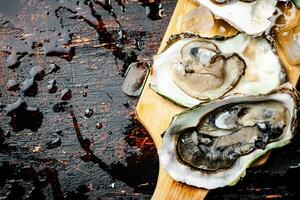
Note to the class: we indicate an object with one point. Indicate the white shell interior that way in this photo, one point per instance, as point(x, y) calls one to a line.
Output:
point(190, 118)
point(263, 72)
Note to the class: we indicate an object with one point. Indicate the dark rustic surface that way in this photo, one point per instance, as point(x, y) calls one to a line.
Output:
point(109, 155)
point(61, 150)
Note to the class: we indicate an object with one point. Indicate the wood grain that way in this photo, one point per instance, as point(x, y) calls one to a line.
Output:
point(155, 112)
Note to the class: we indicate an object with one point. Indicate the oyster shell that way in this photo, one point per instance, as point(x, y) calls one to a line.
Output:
point(193, 69)
point(249, 16)
point(211, 145)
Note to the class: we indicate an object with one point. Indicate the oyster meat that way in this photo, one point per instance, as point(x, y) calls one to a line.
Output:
point(193, 69)
point(249, 16)
point(211, 146)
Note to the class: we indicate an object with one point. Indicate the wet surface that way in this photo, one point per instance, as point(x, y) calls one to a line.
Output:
point(24, 117)
point(67, 130)
point(52, 86)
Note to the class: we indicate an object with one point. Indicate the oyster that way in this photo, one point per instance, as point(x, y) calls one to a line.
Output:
point(249, 16)
point(211, 146)
point(193, 69)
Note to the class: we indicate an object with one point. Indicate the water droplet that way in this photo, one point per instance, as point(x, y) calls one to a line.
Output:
point(59, 132)
point(154, 10)
point(66, 94)
point(112, 185)
point(24, 117)
point(139, 44)
point(88, 113)
point(14, 59)
point(126, 104)
point(62, 52)
point(37, 73)
point(29, 87)
point(12, 85)
point(53, 68)
point(99, 125)
point(52, 87)
point(54, 143)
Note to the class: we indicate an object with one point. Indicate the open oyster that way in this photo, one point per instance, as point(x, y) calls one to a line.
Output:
point(249, 16)
point(211, 146)
point(193, 69)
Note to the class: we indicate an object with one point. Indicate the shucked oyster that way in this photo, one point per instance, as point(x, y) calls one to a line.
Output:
point(194, 70)
point(249, 16)
point(211, 146)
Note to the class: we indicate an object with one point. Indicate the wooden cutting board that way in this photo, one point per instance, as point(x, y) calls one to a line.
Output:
point(155, 112)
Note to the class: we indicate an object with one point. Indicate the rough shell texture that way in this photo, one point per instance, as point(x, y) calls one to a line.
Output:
point(190, 118)
point(262, 65)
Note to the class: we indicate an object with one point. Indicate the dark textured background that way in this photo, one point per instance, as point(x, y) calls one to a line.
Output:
point(117, 160)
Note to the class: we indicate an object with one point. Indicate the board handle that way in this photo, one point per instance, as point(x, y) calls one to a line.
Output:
point(167, 188)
